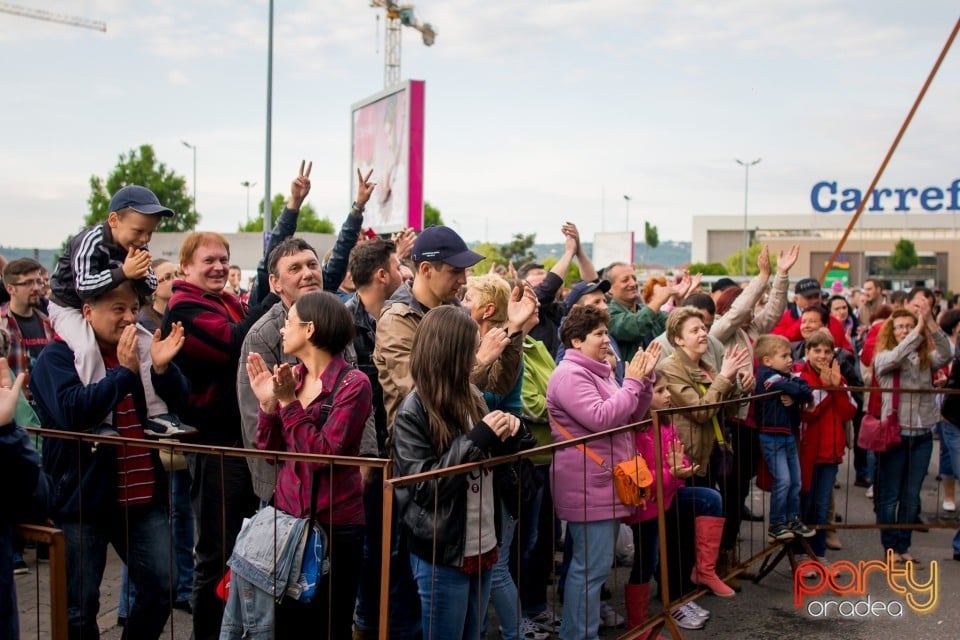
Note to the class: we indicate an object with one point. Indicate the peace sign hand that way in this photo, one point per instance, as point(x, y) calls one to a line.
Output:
point(364, 188)
point(300, 186)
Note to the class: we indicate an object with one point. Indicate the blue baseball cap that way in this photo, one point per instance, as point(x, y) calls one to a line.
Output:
point(140, 199)
point(443, 244)
point(582, 288)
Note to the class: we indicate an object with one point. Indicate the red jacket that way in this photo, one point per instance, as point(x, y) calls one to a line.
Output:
point(822, 435)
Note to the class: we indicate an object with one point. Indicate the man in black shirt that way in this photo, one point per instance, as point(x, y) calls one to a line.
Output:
point(29, 328)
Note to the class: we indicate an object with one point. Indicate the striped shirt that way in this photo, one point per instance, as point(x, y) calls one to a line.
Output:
point(135, 473)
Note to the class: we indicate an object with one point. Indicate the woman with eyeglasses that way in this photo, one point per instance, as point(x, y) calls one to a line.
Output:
point(318, 406)
point(910, 347)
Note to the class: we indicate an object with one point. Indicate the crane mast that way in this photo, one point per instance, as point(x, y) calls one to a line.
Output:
point(49, 16)
point(399, 16)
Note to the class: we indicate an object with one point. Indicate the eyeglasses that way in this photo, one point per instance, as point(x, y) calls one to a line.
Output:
point(28, 283)
point(903, 327)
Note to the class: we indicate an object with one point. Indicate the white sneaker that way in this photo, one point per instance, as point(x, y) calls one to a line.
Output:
point(813, 574)
point(949, 505)
point(686, 620)
point(697, 610)
point(609, 616)
point(547, 621)
point(869, 492)
point(530, 631)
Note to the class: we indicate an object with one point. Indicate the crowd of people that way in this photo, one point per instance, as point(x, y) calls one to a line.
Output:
point(396, 348)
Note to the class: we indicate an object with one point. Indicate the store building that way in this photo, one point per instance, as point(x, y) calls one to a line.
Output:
point(865, 254)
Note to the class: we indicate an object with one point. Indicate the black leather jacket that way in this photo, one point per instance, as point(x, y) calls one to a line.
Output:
point(433, 512)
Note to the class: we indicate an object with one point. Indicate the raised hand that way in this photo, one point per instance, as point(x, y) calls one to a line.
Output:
point(162, 351)
point(835, 374)
point(9, 392)
point(653, 357)
point(127, 352)
point(733, 360)
point(519, 311)
point(404, 242)
point(637, 367)
point(300, 187)
point(284, 384)
point(763, 261)
point(136, 264)
point(364, 188)
point(570, 231)
point(492, 345)
point(261, 382)
point(786, 260)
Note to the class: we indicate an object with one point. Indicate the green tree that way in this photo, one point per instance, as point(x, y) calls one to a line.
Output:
point(518, 249)
point(651, 236)
point(491, 255)
point(734, 261)
point(307, 222)
point(431, 215)
point(708, 268)
point(904, 256)
point(140, 166)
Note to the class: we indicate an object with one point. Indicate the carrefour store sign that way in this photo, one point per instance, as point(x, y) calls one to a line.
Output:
point(827, 197)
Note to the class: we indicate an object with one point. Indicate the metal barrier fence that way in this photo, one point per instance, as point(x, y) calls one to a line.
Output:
point(673, 566)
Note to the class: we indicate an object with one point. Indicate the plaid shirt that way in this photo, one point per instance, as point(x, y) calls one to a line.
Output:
point(18, 357)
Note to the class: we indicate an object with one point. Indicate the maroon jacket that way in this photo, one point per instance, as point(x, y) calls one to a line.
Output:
point(214, 325)
point(300, 429)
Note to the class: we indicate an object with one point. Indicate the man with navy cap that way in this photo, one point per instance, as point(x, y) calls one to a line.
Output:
point(441, 259)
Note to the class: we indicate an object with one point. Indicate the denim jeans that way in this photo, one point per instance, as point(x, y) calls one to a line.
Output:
point(699, 501)
point(780, 454)
point(816, 503)
point(182, 518)
point(900, 474)
point(213, 496)
point(404, 601)
point(949, 448)
point(590, 565)
point(950, 442)
point(452, 602)
point(141, 537)
point(503, 590)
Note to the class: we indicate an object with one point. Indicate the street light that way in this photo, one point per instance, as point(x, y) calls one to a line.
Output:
point(746, 191)
point(248, 184)
point(194, 148)
point(626, 201)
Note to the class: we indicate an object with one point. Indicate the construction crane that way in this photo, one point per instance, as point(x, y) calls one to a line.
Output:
point(40, 14)
point(397, 16)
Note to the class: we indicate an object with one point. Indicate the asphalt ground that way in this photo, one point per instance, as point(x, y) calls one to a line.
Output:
point(760, 612)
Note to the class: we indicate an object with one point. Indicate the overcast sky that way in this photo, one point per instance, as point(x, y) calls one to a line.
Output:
point(537, 111)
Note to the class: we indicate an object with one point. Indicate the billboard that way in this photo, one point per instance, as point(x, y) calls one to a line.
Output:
point(612, 246)
point(387, 138)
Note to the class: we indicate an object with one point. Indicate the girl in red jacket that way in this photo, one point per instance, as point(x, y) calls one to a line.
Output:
point(822, 433)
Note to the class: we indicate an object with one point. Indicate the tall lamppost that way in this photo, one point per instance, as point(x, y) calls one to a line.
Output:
point(746, 192)
point(193, 147)
point(626, 202)
point(248, 185)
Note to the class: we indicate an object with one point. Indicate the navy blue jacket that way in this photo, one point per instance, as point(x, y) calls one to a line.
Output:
point(770, 413)
point(25, 499)
point(81, 473)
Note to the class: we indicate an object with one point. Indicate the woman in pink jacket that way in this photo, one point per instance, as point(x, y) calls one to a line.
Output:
point(583, 398)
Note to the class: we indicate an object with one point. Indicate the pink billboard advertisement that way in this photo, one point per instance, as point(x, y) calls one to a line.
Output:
point(387, 137)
